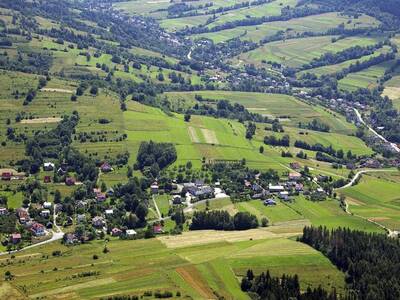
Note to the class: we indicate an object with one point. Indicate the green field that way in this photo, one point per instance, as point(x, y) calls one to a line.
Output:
point(377, 197)
point(133, 267)
point(316, 23)
point(273, 105)
point(287, 52)
point(392, 90)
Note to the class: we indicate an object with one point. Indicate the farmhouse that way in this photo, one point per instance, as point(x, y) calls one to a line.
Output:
point(48, 166)
point(176, 199)
point(15, 238)
point(100, 197)
point(47, 205)
point(106, 167)
point(294, 176)
point(23, 215)
point(275, 188)
point(109, 212)
point(45, 213)
point(98, 221)
point(6, 176)
point(284, 195)
point(269, 202)
point(70, 181)
point(157, 228)
point(47, 179)
point(154, 188)
point(116, 231)
point(37, 229)
point(3, 211)
point(130, 233)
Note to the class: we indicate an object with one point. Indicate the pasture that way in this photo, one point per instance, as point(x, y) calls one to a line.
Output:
point(377, 197)
point(316, 23)
point(287, 52)
point(195, 270)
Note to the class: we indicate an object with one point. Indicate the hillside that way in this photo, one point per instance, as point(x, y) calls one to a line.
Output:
point(157, 149)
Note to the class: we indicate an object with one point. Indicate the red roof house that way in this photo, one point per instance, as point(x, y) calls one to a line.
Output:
point(37, 229)
point(15, 238)
point(6, 176)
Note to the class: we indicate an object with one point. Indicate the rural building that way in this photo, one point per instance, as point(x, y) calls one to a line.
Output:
point(176, 199)
point(100, 197)
point(284, 195)
point(294, 176)
point(98, 221)
point(275, 188)
point(110, 192)
point(70, 239)
point(154, 188)
point(116, 232)
point(47, 205)
point(130, 233)
point(109, 212)
point(106, 167)
point(47, 179)
point(70, 181)
point(295, 165)
point(3, 211)
point(45, 213)
point(269, 202)
point(157, 228)
point(48, 166)
point(23, 215)
point(80, 218)
point(6, 176)
point(37, 229)
point(15, 238)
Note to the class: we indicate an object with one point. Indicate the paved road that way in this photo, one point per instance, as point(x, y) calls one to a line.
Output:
point(393, 145)
point(391, 233)
point(58, 234)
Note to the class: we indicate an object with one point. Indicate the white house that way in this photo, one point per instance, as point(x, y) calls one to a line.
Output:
point(275, 188)
point(48, 166)
point(45, 213)
point(130, 233)
point(47, 205)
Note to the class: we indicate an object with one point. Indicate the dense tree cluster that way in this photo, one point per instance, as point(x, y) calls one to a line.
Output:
point(286, 287)
point(221, 220)
point(315, 125)
point(155, 156)
point(371, 261)
point(274, 141)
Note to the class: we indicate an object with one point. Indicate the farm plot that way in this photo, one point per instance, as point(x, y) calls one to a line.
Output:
point(367, 78)
point(317, 23)
point(377, 197)
point(392, 90)
point(195, 270)
point(272, 105)
point(287, 52)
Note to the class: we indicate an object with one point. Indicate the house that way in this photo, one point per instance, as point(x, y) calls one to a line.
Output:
point(294, 176)
point(284, 195)
point(110, 192)
point(70, 239)
point(23, 215)
point(176, 199)
point(58, 207)
point(61, 171)
point(269, 202)
point(109, 212)
point(47, 179)
point(154, 188)
point(100, 197)
point(68, 221)
point(45, 213)
point(256, 187)
point(3, 211)
point(70, 181)
point(275, 188)
point(6, 176)
point(130, 233)
point(106, 167)
point(157, 228)
point(116, 232)
point(38, 229)
point(295, 165)
point(98, 221)
point(15, 238)
point(49, 225)
point(299, 187)
point(80, 218)
point(47, 205)
point(48, 166)
point(247, 183)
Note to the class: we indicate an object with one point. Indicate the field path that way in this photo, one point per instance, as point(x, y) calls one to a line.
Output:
point(193, 135)
point(390, 232)
point(57, 90)
point(194, 279)
point(156, 206)
point(393, 145)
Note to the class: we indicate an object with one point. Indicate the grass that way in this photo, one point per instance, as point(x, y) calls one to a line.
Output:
point(316, 23)
point(132, 267)
point(273, 105)
point(287, 52)
point(377, 197)
point(367, 78)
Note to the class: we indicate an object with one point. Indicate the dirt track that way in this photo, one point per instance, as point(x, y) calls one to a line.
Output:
point(41, 120)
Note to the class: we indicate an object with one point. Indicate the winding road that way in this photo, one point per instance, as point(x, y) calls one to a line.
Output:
point(393, 145)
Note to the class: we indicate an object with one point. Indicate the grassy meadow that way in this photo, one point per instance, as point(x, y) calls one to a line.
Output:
point(377, 197)
point(199, 271)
